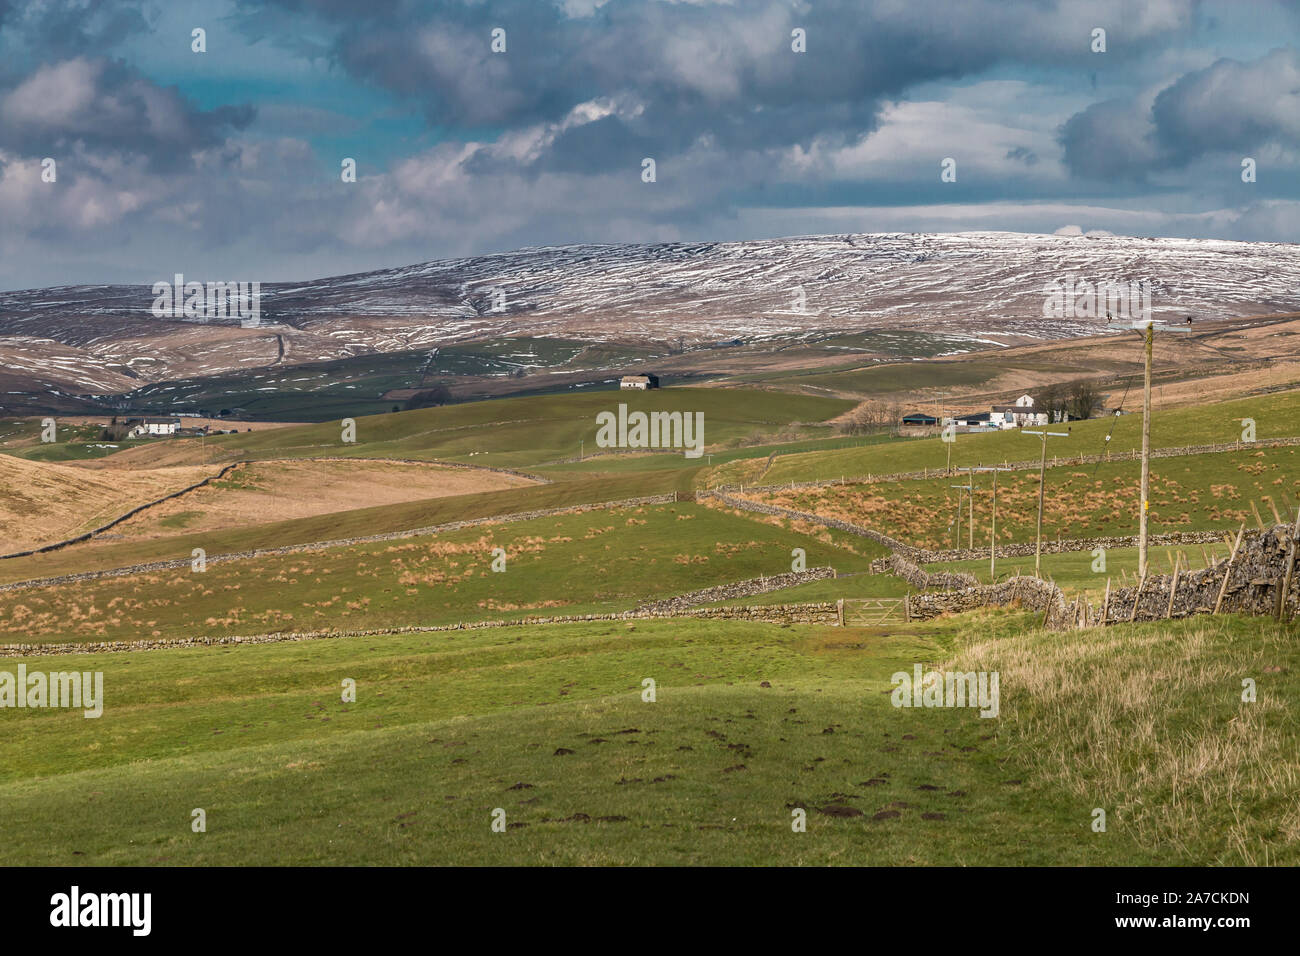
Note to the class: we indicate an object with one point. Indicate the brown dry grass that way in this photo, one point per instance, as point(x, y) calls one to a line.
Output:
point(279, 491)
point(1149, 724)
point(43, 502)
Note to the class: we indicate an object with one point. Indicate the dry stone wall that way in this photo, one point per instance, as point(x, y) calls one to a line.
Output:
point(1176, 452)
point(920, 578)
point(1019, 591)
point(1062, 546)
point(823, 612)
point(1255, 579)
point(738, 589)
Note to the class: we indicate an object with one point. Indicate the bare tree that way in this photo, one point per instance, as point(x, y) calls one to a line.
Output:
point(872, 417)
point(1084, 399)
point(1053, 400)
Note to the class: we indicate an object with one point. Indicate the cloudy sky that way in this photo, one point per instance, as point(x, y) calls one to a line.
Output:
point(227, 164)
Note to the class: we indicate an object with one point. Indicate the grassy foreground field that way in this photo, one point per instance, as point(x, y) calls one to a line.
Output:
point(549, 725)
point(750, 723)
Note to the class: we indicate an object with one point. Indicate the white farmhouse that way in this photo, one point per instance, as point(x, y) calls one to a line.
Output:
point(642, 382)
point(153, 427)
point(1022, 413)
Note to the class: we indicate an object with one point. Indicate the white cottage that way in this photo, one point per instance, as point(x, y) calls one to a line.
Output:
point(1022, 413)
point(154, 427)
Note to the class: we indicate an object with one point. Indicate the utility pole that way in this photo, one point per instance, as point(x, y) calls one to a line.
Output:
point(993, 526)
point(970, 509)
point(1144, 503)
point(970, 545)
point(1147, 327)
point(956, 527)
point(1042, 486)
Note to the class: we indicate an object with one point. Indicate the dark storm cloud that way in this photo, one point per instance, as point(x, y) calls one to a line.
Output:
point(583, 149)
point(106, 105)
point(1110, 140)
point(461, 150)
point(726, 72)
point(1232, 105)
point(1228, 106)
point(55, 29)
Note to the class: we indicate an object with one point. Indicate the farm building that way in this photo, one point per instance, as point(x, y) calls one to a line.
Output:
point(152, 426)
point(1023, 412)
point(980, 420)
point(919, 419)
point(642, 382)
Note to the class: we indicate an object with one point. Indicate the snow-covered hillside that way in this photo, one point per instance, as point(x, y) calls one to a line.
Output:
point(970, 284)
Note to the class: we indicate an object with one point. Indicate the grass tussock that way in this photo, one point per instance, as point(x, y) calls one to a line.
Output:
point(1149, 724)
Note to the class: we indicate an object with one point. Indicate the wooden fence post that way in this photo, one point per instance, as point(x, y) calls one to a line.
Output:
point(839, 612)
point(1173, 587)
point(1227, 572)
point(1290, 567)
point(1137, 596)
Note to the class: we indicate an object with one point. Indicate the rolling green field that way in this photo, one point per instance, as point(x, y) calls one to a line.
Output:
point(855, 585)
point(508, 432)
point(756, 454)
point(549, 726)
point(518, 432)
point(750, 723)
point(107, 552)
point(589, 563)
point(73, 442)
point(893, 378)
point(1275, 416)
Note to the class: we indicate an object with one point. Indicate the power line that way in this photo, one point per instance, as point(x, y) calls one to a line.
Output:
point(1118, 411)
